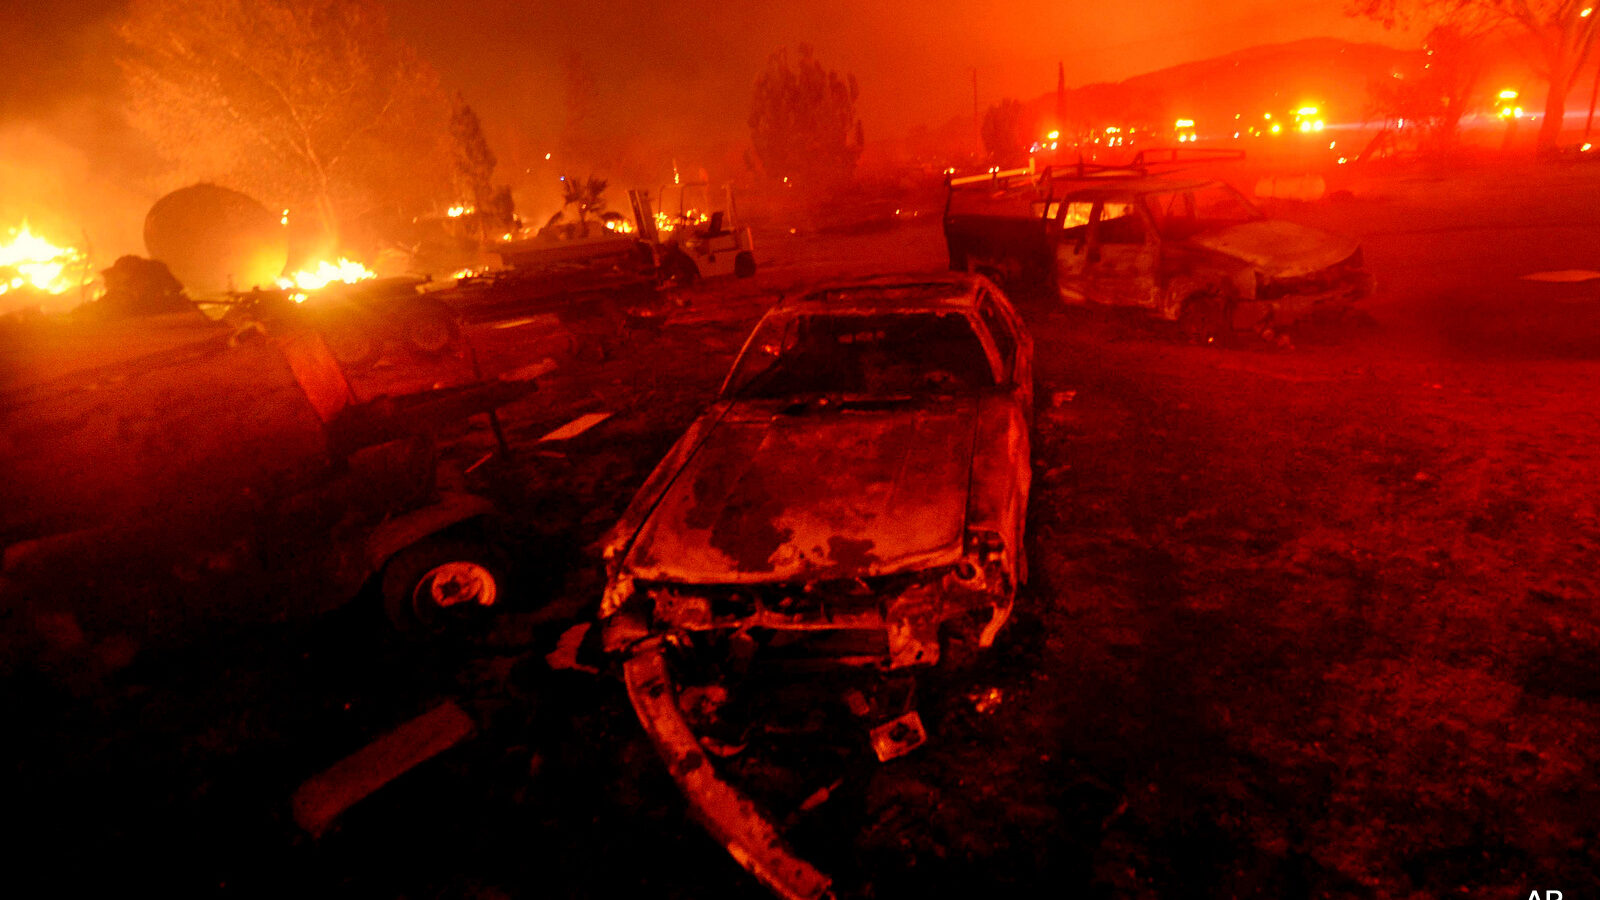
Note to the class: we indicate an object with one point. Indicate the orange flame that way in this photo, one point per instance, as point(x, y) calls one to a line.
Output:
point(26, 259)
point(326, 273)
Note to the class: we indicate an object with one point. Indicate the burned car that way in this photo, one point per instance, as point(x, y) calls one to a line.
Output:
point(856, 496)
point(1190, 250)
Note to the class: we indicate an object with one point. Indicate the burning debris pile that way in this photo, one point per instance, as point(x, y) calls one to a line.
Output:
point(35, 270)
point(323, 273)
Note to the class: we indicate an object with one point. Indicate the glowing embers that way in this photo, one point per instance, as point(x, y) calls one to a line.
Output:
point(690, 217)
point(325, 273)
point(29, 260)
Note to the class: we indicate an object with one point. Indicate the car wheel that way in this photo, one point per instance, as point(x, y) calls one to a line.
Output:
point(352, 343)
point(430, 330)
point(744, 265)
point(442, 586)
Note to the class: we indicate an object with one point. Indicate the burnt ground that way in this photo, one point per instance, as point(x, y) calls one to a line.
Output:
point(1309, 622)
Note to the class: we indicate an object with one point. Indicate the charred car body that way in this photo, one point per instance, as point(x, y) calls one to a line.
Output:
point(870, 443)
point(1189, 250)
point(856, 496)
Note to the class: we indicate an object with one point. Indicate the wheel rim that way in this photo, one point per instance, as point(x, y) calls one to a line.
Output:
point(454, 588)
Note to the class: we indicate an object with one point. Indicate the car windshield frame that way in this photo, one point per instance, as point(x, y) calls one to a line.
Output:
point(1198, 209)
point(779, 334)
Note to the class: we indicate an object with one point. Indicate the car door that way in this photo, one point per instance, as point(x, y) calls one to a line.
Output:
point(1070, 236)
point(1120, 268)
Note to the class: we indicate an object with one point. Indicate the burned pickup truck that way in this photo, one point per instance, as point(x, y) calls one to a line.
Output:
point(856, 498)
point(1190, 250)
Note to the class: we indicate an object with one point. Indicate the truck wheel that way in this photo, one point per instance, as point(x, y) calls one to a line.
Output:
point(680, 272)
point(440, 586)
point(744, 265)
point(1203, 319)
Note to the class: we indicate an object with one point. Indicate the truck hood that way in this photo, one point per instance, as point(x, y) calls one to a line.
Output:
point(1278, 249)
point(779, 495)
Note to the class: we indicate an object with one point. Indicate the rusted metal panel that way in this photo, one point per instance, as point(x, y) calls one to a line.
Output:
point(731, 818)
point(1279, 249)
point(326, 796)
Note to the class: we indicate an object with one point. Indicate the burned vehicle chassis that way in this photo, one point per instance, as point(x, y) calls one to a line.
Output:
point(1188, 250)
point(889, 622)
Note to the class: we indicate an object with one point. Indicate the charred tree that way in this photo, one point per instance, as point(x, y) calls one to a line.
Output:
point(310, 103)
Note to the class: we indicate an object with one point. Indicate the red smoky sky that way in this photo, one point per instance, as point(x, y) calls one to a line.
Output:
point(671, 76)
point(693, 61)
point(690, 65)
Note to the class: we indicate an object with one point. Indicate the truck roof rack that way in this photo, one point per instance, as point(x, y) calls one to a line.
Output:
point(1164, 159)
point(995, 175)
point(1175, 156)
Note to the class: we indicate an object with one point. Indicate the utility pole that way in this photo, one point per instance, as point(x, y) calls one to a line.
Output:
point(1594, 94)
point(977, 124)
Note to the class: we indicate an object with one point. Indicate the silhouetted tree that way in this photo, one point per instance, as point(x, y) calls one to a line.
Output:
point(1006, 135)
point(475, 164)
point(311, 103)
point(803, 120)
point(1557, 35)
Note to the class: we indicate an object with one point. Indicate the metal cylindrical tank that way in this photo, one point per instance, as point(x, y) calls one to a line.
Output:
point(215, 239)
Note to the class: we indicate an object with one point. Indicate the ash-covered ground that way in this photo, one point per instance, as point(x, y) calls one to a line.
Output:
point(1318, 621)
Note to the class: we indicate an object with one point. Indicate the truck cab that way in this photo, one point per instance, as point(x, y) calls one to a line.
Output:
point(1191, 250)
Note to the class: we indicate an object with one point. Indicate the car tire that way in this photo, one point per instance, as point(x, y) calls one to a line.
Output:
point(352, 343)
point(430, 329)
point(744, 265)
point(443, 586)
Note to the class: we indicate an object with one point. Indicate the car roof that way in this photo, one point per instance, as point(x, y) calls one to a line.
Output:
point(889, 293)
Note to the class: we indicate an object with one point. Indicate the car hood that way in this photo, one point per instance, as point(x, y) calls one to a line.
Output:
point(775, 496)
point(1278, 249)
